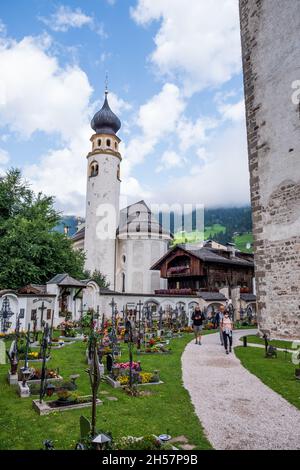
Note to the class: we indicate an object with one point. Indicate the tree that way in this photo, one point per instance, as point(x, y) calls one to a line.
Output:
point(98, 277)
point(31, 251)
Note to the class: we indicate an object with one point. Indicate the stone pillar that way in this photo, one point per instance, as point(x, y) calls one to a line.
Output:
point(235, 297)
point(270, 32)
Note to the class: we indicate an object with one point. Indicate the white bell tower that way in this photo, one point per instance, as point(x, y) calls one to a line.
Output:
point(103, 193)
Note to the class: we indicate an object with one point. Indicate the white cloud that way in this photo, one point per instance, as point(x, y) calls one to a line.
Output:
point(234, 112)
point(65, 18)
point(198, 41)
point(220, 179)
point(36, 94)
point(117, 104)
point(131, 191)
point(4, 157)
point(157, 119)
point(193, 134)
point(159, 115)
point(170, 160)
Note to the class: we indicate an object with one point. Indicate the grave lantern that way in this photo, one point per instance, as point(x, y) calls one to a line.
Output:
point(26, 374)
point(50, 389)
point(101, 441)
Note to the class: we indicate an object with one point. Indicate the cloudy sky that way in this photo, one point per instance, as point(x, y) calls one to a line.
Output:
point(175, 80)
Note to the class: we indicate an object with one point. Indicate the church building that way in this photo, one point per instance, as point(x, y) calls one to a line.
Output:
point(132, 249)
point(121, 244)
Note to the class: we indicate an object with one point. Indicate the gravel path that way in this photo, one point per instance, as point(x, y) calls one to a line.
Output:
point(252, 416)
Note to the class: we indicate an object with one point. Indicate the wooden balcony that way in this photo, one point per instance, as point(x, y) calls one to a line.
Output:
point(179, 271)
point(176, 292)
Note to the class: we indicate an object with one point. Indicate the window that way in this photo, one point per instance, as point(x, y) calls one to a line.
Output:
point(22, 313)
point(124, 259)
point(99, 142)
point(108, 142)
point(123, 282)
point(49, 313)
point(118, 172)
point(94, 169)
point(33, 315)
point(116, 145)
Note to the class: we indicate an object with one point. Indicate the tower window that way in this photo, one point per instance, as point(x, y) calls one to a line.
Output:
point(116, 145)
point(118, 172)
point(99, 142)
point(108, 142)
point(94, 169)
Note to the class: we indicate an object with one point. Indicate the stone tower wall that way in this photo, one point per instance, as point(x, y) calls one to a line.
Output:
point(270, 32)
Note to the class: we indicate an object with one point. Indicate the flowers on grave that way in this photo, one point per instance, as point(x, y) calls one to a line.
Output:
point(145, 377)
point(33, 355)
point(187, 329)
point(68, 327)
point(122, 332)
point(209, 326)
point(63, 394)
point(123, 379)
point(152, 342)
point(36, 373)
point(52, 374)
point(144, 443)
point(106, 341)
point(138, 377)
point(126, 365)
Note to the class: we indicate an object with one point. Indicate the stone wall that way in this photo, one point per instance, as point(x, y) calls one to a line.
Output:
point(270, 32)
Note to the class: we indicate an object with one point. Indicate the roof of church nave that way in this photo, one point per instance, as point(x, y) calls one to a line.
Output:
point(138, 218)
point(136, 214)
point(105, 121)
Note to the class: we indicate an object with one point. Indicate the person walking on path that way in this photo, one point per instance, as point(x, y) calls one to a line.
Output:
point(198, 319)
point(219, 318)
point(227, 327)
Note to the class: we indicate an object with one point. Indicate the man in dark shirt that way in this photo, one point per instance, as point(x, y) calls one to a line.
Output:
point(198, 319)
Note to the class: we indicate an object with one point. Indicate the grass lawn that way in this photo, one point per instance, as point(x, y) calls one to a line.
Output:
point(278, 374)
point(167, 410)
point(277, 343)
point(211, 231)
point(197, 236)
point(242, 241)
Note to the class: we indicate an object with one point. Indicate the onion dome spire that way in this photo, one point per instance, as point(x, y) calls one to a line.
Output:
point(105, 121)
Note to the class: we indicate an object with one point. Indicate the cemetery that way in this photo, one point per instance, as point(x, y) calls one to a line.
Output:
point(96, 370)
point(124, 325)
point(87, 379)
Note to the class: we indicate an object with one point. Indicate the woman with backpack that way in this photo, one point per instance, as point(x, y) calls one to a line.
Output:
point(227, 328)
